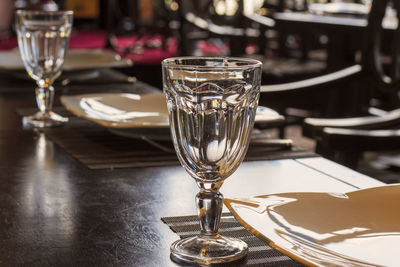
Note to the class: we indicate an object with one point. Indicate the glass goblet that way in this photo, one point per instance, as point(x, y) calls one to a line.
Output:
point(43, 41)
point(212, 103)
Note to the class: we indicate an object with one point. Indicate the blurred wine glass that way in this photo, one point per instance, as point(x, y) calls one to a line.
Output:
point(43, 40)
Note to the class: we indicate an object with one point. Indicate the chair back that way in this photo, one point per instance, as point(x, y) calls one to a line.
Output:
point(385, 73)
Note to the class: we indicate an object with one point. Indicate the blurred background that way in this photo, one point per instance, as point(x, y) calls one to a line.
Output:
point(148, 31)
point(296, 40)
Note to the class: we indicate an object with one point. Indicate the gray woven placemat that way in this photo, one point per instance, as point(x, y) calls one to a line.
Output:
point(97, 148)
point(102, 80)
point(260, 254)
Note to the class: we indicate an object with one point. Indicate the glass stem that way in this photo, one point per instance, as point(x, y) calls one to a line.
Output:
point(209, 204)
point(44, 98)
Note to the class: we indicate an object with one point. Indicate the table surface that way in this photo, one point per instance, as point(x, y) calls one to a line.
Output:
point(54, 211)
point(335, 23)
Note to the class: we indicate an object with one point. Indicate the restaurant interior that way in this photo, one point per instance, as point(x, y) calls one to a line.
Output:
point(96, 163)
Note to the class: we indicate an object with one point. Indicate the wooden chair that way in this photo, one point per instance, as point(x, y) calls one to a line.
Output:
point(319, 96)
point(200, 21)
point(241, 26)
point(345, 139)
point(301, 98)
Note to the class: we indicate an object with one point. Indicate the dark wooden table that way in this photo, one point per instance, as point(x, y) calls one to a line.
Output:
point(54, 211)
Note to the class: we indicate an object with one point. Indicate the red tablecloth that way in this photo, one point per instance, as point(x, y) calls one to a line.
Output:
point(147, 55)
point(97, 39)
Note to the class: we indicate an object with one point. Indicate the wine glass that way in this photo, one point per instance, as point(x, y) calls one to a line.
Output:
point(212, 103)
point(43, 40)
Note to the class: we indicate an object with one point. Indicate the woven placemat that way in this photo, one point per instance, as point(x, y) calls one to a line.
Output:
point(101, 80)
point(260, 254)
point(97, 148)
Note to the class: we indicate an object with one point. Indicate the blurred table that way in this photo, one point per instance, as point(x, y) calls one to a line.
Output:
point(345, 34)
point(54, 211)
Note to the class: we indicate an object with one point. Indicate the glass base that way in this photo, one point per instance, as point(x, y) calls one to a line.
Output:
point(41, 120)
point(208, 249)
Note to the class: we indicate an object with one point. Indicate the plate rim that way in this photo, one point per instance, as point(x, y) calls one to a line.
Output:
point(159, 126)
point(282, 249)
point(104, 123)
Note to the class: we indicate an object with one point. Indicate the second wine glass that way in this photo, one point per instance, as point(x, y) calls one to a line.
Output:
point(43, 41)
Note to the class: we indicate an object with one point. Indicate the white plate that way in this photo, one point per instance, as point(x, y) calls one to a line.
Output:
point(360, 228)
point(134, 115)
point(75, 59)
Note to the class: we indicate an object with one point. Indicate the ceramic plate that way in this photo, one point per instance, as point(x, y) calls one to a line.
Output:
point(120, 110)
point(360, 228)
point(133, 115)
point(79, 59)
